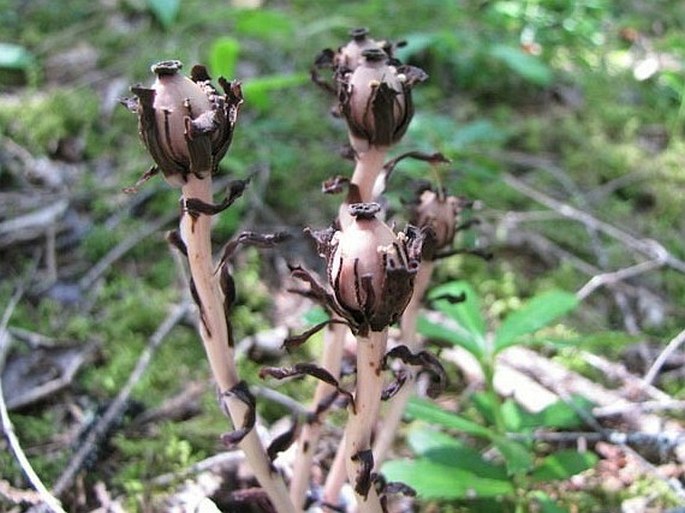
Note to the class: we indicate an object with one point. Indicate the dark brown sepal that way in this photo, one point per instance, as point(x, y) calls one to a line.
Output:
point(295, 341)
point(431, 158)
point(306, 369)
point(324, 405)
point(452, 299)
point(395, 386)
point(259, 240)
point(173, 237)
point(173, 169)
point(227, 285)
point(153, 171)
point(199, 73)
point(428, 363)
point(395, 487)
point(364, 210)
point(364, 479)
point(283, 441)
point(316, 291)
point(196, 207)
point(241, 392)
point(413, 75)
point(323, 61)
point(198, 302)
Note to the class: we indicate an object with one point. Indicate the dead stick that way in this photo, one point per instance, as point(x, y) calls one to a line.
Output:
point(117, 407)
point(7, 427)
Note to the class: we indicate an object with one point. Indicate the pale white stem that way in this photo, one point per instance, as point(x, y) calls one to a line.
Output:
point(337, 475)
point(395, 410)
point(362, 421)
point(331, 359)
point(217, 338)
point(367, 169)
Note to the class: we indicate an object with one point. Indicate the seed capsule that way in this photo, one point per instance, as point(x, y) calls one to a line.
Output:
point(372, 269)
point(184, 122)
point(375, 99)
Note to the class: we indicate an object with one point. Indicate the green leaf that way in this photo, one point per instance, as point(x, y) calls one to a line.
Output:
point(446, 450)
point(258, 91)
point(535, 314)
point(458, 337)
point(165, 11)
point(223, 57)
point(546, 503)
point(15, 57)
point(433, 480)
point(423, 410)
point(518, 458)
point(264, 24)
point(598, 341)
point(526, 66)
point(561, 415)
point(563, 464)
point(467, 313)
point(515, 417)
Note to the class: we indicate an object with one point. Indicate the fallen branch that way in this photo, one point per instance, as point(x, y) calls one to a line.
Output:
point(650, 248)
point(118, 405)
point(670, 348)
point(8, 429)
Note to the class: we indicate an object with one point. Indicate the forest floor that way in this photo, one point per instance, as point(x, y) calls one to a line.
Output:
point(564, 122)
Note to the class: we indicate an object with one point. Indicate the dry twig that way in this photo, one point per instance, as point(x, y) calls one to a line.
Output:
point(670, 348)
point(50, 501)
point(118, 405)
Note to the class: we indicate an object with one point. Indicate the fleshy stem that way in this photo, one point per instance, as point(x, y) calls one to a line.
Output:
point(368, 166)
point(398, 403)
point(362, 420)
point(216, 334)
point(367, 169)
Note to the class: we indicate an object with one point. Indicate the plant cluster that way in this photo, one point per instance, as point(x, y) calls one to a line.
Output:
point(375, 277)
point(187, 125)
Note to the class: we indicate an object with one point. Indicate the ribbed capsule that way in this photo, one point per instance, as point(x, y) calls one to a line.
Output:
point(375, 99)
point(439, 211)
point(185, 124)
point(371, 269)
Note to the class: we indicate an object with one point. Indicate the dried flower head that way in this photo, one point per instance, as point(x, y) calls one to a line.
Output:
point(375, 99)
point(184, 122)
point(371, 268)
point(434, 209)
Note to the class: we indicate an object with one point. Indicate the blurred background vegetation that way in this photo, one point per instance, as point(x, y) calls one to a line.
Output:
point(582, 100)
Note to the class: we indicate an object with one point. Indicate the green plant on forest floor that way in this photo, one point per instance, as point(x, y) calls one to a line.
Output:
point(502, 469)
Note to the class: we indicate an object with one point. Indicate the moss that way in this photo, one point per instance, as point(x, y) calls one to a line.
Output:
point(40, 121)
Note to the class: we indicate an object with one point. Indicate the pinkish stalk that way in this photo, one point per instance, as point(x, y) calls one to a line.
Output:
point(216, 334)
point(362, 420)
point(367, 169)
